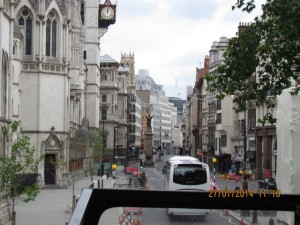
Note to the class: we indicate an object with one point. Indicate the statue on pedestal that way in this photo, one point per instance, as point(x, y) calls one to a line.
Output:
point(149, 118)
point(148, 140)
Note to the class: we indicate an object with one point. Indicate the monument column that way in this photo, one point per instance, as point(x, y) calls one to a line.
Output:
point(148, 143)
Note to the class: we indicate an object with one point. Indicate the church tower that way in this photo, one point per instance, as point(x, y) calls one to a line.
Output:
point(127, 61)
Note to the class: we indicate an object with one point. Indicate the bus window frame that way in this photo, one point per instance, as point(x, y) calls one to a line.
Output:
point(93, 202)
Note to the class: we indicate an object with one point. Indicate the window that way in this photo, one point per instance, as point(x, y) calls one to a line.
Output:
point(189, 174)
point(216, 143)
point(82, 13)
point(219, 105)
point(242, 127)
point(103, 77)
point(252, 143)
point(211, 108)
point(51, 34)
point(3, 86)
point(104, 98)
point(25, 24)
point(223, 140)
point(219, 118)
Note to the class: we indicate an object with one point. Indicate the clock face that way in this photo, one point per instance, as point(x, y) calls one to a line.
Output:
point(107, 13)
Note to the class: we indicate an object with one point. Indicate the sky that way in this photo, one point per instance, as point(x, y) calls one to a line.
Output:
point(170, 38)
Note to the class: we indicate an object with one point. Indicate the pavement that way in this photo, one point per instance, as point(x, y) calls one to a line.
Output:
point(262, 218)
point(54, 206)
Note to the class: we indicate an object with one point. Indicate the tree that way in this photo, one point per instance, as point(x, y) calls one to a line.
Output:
point(99, 151)
point(272, 45)
point(97, 143)
point(17, 166)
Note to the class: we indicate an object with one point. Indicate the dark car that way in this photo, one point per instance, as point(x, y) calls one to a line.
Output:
point(267, 183)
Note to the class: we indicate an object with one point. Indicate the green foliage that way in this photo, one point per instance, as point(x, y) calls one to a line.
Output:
point(32, 192)
point(97, 142)
point(245, 6)
point(269, 49)
point(16, 166)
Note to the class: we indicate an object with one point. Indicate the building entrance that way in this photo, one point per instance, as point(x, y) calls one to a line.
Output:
point(50, 171)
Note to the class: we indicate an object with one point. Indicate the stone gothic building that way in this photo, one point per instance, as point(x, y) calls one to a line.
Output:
point(50, 79)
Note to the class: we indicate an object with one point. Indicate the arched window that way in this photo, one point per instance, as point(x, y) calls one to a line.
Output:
point(82, 13)
point(25, 24)
point(51, 34)
point(4, 86)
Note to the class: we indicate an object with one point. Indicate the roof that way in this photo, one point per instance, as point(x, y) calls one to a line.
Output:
point(107, 59)
point(122, 69)
point(176, 159)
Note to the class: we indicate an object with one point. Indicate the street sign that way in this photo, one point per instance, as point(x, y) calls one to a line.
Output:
point(275, 152)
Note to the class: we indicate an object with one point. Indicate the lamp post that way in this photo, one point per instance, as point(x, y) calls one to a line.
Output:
point(245, 175)
point(214, 160)
point(102, 150)
point(114, 153)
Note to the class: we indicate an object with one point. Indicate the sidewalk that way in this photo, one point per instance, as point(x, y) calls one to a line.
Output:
point(52, 205)
point(247, 220)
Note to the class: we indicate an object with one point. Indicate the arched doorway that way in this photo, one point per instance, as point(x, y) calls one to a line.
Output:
point(52, 161)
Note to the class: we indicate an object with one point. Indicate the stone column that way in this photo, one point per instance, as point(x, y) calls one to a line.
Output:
point(148, 148)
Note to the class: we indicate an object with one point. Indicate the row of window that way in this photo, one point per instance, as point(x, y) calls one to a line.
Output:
point(222, 141)
point(25, 23)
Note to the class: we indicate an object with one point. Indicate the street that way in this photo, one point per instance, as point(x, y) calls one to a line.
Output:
point(155, 175)
point(159, 216)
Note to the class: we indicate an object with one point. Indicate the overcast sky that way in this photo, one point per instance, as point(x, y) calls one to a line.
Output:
point(170, 38)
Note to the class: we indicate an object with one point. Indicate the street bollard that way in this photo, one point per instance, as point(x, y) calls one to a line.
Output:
point(130, 181)
point(254, 217)
point(271, 221)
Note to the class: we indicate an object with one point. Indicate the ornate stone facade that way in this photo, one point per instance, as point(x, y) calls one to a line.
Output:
point(50, 78)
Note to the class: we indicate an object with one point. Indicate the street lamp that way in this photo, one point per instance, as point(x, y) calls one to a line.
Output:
point(245, 175)
point(102, 152)
point(114, 150)
point(214, 160)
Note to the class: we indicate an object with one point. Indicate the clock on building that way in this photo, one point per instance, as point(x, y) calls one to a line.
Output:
point(107, 14)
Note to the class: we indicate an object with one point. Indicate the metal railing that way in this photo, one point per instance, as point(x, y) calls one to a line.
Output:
point(89, 210)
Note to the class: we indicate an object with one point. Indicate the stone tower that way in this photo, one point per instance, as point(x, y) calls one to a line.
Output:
point(127, 61)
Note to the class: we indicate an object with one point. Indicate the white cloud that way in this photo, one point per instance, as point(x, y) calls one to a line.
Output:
point(170, 37)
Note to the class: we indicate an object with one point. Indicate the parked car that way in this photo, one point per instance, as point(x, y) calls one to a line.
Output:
point(267, 183)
